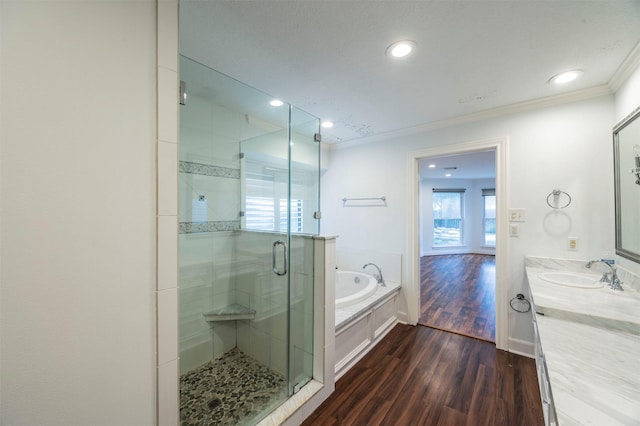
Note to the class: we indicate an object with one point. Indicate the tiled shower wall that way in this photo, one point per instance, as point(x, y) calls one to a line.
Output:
point(209, 167)
point(205, 284)
point(246, 278)
point(220, 265)
point(209, 205)
point(260, 289)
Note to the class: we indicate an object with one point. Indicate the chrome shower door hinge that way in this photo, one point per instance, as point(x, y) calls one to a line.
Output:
point(183, 92)
point(317, 215)
point(317, 137)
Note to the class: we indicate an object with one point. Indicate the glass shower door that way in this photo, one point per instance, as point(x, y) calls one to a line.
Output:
point(304, 196)
point(265, 243)
point(249, 173)
point(281, 171)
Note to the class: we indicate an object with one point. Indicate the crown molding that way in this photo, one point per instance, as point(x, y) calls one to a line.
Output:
point(549, 101)
point(624, 71)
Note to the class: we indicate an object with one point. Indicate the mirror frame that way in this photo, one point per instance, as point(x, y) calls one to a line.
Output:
point(624, 252)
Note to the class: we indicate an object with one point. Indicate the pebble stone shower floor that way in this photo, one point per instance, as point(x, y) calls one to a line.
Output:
point(234, 389)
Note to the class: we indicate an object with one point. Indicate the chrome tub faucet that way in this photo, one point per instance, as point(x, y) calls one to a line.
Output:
point(377, 276)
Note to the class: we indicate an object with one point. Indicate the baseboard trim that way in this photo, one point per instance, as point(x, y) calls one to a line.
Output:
point(491, 252)
point(521, 347)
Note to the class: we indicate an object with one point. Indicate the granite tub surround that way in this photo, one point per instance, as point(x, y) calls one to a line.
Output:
point(590, 339)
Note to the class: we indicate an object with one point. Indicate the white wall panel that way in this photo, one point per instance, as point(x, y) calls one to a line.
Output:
point(78, 221)
point(566, 147)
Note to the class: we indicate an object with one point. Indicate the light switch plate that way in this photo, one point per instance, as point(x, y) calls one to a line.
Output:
point(516, 215)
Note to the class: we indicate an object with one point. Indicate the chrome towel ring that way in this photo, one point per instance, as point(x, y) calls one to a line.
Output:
point(556, 193)
point(520, 303)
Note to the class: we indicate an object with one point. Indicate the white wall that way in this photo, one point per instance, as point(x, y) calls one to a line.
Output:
point(627, 99)
point(566, 147)
point(78, 220)
point(473, 235)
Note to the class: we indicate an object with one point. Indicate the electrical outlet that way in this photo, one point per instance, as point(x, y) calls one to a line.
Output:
point(572, 244)
point(514, 230)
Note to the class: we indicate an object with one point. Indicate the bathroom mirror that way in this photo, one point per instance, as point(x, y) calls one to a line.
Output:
point(626, 153)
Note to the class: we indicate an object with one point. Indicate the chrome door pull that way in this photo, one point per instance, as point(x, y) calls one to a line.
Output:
point(275, 269)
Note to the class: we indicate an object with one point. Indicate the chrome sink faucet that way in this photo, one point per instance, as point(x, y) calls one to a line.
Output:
point(378, 276)
point(614, 282)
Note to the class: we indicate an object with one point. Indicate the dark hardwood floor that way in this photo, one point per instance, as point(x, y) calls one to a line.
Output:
point(457, 294)
point(423, 376)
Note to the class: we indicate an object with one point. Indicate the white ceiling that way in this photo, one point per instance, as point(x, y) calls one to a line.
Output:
point(476, 165)
point(328, 57)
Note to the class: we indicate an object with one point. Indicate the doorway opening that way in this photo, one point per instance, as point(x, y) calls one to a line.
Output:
point(457, 259)
point(457, 294)
point(457, 234)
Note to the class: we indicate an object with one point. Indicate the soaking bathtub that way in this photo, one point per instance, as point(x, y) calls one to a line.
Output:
point(365, 313)
point(353, 287)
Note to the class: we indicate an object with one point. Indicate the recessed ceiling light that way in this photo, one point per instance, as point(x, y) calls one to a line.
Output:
point(276, 103)
point(327, 124)
point(401, 48)
point(565, 77)
point(448, 175)
point(432, 166)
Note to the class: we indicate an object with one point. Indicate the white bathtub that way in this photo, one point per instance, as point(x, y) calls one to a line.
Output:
point(365, 313)
point(353, 287)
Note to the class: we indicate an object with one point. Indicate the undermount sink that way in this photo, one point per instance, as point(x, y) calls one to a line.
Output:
point(572, 279)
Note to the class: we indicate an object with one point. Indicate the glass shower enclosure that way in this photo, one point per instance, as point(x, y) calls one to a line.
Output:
point(248, 196)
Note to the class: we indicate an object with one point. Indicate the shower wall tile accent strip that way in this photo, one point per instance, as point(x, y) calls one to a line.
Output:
point(208, 170)
point(211, 226)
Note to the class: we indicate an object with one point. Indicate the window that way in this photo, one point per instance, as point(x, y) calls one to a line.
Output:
point(489, 216)
point(266, 200)
point(448, 209)
point(296, 215)
point(260, 213)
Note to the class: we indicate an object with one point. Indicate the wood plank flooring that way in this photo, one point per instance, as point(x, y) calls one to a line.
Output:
point(457, 294)
point(423, 376)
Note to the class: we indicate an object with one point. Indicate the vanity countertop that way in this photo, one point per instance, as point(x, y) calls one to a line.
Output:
point(591, 344)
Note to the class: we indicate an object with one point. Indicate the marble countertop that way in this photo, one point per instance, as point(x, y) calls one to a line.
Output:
point(591, 343)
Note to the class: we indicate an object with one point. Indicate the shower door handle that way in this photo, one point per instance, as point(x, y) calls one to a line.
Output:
point(275, 269)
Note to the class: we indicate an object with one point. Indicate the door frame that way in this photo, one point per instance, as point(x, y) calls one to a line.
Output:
point(412, 262)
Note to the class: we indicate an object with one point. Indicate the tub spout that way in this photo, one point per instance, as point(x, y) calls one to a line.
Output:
point(377, 276)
